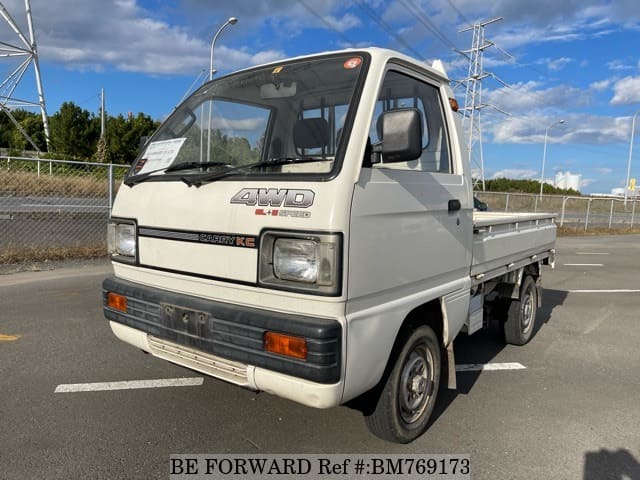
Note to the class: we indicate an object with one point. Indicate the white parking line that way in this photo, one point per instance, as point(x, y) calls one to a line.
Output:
point(620, 290)
point(583, 264)
point(592, 253)
point(129, 385)
point(482, 367)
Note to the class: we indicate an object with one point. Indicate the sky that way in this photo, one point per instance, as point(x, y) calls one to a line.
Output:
point(571, 60)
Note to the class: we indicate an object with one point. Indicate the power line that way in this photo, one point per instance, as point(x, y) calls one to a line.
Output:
point(466, 20)
point(326, 23)
point(428, 24)
point(376, 18)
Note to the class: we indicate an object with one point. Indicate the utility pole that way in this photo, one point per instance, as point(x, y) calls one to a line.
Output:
point(102, 113)
point(473, 95)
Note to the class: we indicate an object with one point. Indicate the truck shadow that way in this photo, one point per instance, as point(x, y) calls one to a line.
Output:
point(612, 465)
point(482, 347)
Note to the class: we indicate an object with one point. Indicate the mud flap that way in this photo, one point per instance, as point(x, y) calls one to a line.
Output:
point(451, 368)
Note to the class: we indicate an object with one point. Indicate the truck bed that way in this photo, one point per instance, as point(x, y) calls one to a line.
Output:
point(506, 241)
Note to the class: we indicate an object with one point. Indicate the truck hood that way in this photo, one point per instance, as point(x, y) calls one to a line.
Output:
point(214, 231)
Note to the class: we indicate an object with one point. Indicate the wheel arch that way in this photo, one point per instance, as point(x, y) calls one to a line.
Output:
point(428, 313)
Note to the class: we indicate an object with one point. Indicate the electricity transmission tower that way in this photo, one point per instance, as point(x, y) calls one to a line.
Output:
point(27, 52)
point(473, 95)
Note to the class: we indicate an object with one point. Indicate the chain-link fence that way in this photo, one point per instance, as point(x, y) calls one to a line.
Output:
point(580, 213)
point(54, 208)
point(57, 208)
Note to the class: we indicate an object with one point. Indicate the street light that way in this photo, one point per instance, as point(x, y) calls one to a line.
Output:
point(544, 153)
point(626, 185)
point(231, 21)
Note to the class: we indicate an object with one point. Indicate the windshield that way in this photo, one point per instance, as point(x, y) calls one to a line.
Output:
point(285, 119)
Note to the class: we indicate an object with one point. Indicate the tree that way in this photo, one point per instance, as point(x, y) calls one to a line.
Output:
point(124, 134)
point(12, 138)
point(32, 125)
point(524, 186)
point(74, 131)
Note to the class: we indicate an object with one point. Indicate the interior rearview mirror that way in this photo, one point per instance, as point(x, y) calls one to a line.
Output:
point(271, 90)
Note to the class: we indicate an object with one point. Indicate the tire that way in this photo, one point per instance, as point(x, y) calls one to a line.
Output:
point(404, 406)
point(521, 315)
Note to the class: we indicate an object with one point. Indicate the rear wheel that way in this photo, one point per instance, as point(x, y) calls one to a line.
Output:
point(408, 396)
point(521, 315)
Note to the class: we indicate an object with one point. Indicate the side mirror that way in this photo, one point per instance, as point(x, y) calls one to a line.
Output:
point(480, 205)
point(401, 139)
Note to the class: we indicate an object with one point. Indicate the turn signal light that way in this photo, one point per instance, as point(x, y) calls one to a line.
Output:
point(117, 302)
point(281, 344)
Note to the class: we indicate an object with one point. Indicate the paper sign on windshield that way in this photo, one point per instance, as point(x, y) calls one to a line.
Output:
point(161, 154)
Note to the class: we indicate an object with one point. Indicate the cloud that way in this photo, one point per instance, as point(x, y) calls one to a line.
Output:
point(601, 85)
point(626, 91)
point(620, 65)
point(555, 64)
point(244, 125)
point(578, 129)
point(517, 35)
point(515, 173)
point(343, 24)
point(166, 37)
point(94, 35)
point(527, 96)
point(604, 170)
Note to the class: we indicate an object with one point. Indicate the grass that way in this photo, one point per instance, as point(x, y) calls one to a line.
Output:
point(83, 184)
point(27, 183)
point(24, 255)
point(593, 231)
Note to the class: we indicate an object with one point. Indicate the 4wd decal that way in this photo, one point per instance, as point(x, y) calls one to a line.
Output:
point(274, 197)
point(283, 213)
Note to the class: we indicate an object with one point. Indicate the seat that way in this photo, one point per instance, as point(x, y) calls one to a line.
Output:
point(311, 133)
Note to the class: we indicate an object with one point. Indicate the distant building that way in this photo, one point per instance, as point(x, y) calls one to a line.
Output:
point(567, 180)
point(619, 192)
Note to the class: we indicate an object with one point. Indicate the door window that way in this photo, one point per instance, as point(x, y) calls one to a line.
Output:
point(402, 91)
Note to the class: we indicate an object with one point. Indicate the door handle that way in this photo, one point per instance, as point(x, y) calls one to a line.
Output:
point(454, 205)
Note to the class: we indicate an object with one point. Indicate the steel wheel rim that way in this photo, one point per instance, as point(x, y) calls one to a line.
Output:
point(527, 311)
point(416, 381)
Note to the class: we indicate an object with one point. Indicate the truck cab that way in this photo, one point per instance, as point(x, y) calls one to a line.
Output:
point(306, 228)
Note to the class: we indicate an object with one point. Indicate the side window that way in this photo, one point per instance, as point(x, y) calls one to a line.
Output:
point(402, 91)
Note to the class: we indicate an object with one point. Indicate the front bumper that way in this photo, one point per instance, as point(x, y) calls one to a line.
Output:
point(224, 334)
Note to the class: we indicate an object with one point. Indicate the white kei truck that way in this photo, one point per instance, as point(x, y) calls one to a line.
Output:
point(306, 228)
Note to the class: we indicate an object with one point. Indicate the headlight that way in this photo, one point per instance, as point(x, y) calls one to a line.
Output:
point(121, 239)
point(298, 261)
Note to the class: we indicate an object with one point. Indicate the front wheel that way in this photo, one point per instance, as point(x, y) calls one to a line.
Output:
point(408, 396)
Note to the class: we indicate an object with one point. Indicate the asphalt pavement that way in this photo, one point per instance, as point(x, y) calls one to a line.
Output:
point(572, 413)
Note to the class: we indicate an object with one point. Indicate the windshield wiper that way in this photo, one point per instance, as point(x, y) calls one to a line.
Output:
point(173, 168)
point(188, 165)
point(199, 180)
